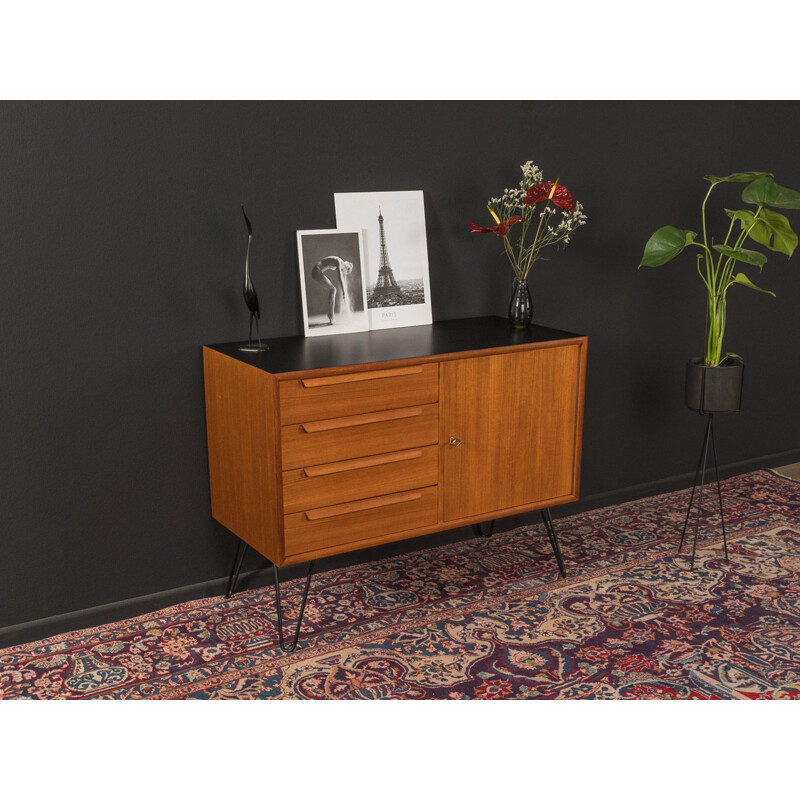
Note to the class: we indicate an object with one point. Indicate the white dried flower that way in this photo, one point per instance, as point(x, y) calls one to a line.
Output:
point(530, 172)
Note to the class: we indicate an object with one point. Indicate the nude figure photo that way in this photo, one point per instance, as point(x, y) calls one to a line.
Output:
point(332, 282)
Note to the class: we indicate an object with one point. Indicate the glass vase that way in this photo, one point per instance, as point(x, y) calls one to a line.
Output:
point(520, 310)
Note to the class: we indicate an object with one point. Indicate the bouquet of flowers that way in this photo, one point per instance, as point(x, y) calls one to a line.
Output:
point(532, 204)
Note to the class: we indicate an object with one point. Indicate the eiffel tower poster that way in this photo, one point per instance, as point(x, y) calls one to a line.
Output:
point(395, 254)
point(386, 292)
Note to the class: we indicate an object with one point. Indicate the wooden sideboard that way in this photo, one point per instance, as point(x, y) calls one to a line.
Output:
point(331, 444)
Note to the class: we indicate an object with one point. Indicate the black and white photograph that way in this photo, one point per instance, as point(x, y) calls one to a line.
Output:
point(332, 282)
point(395, 254)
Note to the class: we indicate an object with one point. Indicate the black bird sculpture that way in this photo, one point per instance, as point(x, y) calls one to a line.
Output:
point(250, 297)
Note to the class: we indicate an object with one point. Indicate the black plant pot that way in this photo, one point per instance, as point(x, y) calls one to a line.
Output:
point(714, 389)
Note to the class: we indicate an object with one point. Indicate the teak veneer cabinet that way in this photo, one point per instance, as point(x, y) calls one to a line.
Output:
point(331, 444)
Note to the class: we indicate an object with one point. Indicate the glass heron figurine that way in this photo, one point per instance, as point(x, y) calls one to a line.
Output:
point(251, 298)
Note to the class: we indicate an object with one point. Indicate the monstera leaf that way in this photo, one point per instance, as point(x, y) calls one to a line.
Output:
point(740, 254)
point(738, 177)
point(665, 244)
point(769, 228)
point(742, 279)
point(765, 192)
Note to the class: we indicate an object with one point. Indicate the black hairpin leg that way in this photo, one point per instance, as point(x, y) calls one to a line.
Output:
point(547, 518)
point(479, 530)
point(700, 475)
point(236, 568)
point(292, 646)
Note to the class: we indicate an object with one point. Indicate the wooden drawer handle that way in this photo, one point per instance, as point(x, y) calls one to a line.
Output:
point(352, 377)
point(361, 463)
point(360, 419)
point(362, 505)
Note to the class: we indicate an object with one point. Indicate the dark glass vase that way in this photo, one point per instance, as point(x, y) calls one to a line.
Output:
point(520, 310)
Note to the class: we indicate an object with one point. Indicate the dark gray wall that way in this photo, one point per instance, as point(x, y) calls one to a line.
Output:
point(121, 250)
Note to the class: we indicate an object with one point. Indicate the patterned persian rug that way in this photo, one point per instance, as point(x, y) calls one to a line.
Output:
point(486, 618)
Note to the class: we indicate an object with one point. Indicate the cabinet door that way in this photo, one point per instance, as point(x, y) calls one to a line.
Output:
point(516, 416)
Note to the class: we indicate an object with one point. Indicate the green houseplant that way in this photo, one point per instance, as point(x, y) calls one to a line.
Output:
point(720, 265)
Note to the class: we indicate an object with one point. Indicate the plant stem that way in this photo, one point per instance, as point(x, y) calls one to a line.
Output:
point(699, 272)
point(527, 269)
point(510, 251)
point(713, 338)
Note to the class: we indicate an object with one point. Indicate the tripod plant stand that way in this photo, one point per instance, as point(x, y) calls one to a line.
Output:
point(700, 475)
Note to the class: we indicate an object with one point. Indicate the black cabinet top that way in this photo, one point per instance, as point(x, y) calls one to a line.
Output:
point(298, 353)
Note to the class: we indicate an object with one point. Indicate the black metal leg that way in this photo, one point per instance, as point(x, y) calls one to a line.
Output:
point(700, 464)
point(700, 477)
point(719, 491)
point(700, 493)
point(479, 530)
point(292, 646)
point(236, 568)
point(547, 519)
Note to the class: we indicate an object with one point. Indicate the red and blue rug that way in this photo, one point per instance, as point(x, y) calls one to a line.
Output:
point(484, 619)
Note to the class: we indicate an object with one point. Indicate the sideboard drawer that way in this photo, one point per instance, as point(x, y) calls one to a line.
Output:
point(346, 523)
point(356, 478)
point(358, 392)
point(341, 438)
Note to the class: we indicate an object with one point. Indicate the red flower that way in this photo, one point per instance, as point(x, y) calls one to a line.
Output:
point(541, 192)
point(501, 229)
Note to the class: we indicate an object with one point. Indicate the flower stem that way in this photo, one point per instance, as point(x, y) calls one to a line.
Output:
point(510, 252)
point(527, 269)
